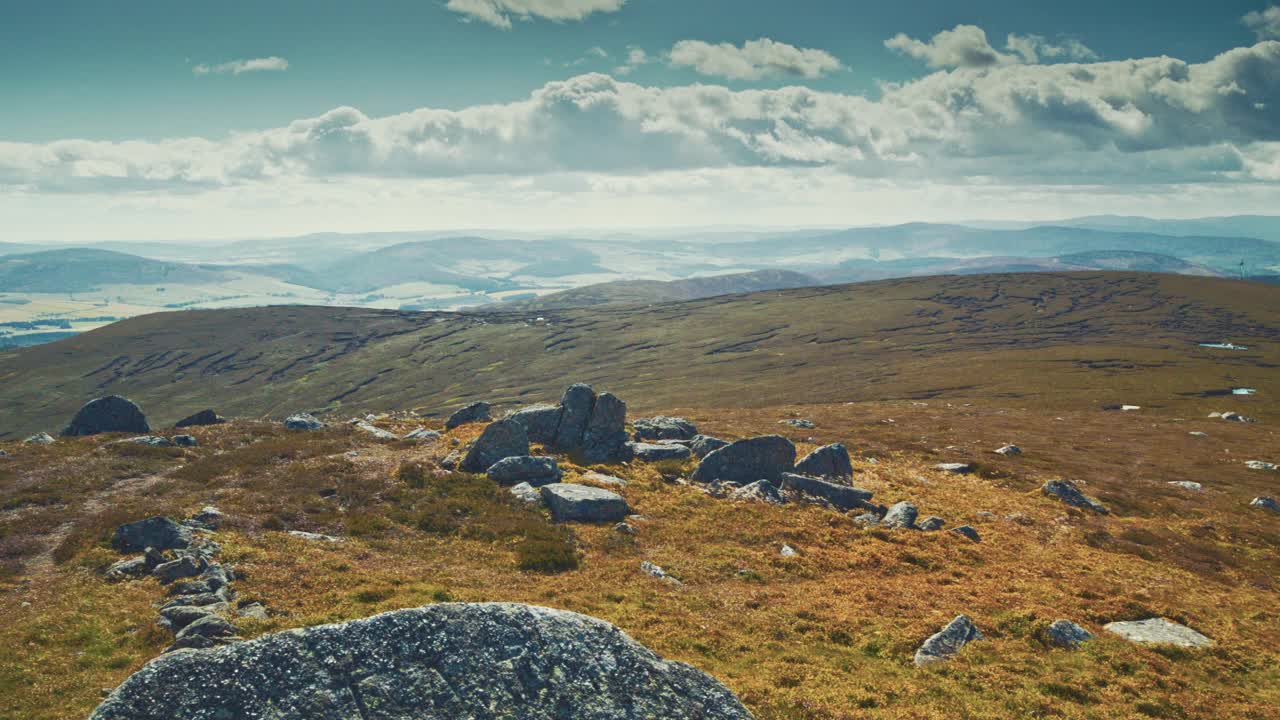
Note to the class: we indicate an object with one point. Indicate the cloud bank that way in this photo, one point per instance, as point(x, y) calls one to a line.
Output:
point(1264, 23)
point(966, 46)
point(499, 13)
point(236, 67)
point(754, 60)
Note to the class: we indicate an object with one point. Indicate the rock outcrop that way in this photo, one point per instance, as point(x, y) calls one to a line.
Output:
point(160, 533)
point(841, 497)
point(500, 440)
point(303, 421)
point(745, 461)
point(829, 461)
point(204, 417)
point(107, 414)
point(473, 413)
point(583, 423)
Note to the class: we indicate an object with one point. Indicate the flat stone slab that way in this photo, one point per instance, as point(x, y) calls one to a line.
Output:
point(1158, 630)
point(583, 503)
point(843, 497)
point(656, 452)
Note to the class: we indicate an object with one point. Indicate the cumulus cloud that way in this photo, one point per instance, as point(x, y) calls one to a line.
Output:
point(1151, 120)
point(236, 67)
point(754, 60)
point(966, 46)
point(635, 58)
point(499, 13)
point(1266, 23)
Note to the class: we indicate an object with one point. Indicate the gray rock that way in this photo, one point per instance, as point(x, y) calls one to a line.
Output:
point(133, 567)
point(1158, 630)
point(931, 524)
point(954, 468)
point(748, 460)
point(160, 533)
point(799, 424)
point(174, 570)
point(252, 611)
point(149, 440)
point(535, 471)
point(303, 421)
point(901, 516)
point(442, 661)
point(787, 551)
point(1066, 634)
point(704, 445)
point(1067, 492)
point(828, 461)
point(867, 519)
point(539, 421)
point(842, 497)
point(185, 441)
point(948, 641)
point(605, 439)
point(605, 479)
point(652, 452)
point(43, 438)
point(527, 494)
point(210, 517)
point(759, 491)
point(968, 531)
point(216, 576)
point(473, 413)
point(501, 439)
point(452, 460)
point(303, 535)
point(1187, 485)
point(205, 632)
point(1260, 465)
point(1237, 417)
point(375, 431)
point(663, 427)
point(625, 528)
point(583, 503)
point(576, 405)
point(107, 414)
point(197, 599)
point(422, 435)
point(1265, 502)
point(204, 417)
point(1008, 450)
point(180, 616)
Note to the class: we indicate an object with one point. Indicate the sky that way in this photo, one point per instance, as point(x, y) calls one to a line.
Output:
point(172, 121)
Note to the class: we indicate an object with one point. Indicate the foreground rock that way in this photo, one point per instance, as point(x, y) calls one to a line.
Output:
point(901, 516)
point(704, 445)
point(664, 428)
point(473, 413)
point(536, 471)
point(107, 414)
point(500, 440)
point(748, 460)
point(42, 438)
point(160, 533)
point(204, 417)
point(1158, 630)
point(304, 422)
point(442, 661)
point(1265, 503)
point(1066, 634)
point(583, 503)
point(948, 641)
point(842, 497)
point(649, 452)
point(1067, 492)
point(829, 461)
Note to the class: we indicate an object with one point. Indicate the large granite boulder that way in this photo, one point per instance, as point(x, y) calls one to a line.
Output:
point(576, 405)
point(664, 428)
point(452, 660)
point(745, 461)
point(500, 440)
point(948, 641)
point(204, 417)
point(107, 414)
point(539, 421)
point(583, 503)
point(828, 461)
point(160, 533)
point(842, 497)
point(1067, 492)
point(535, 471)
point(1158, 631)
point(473, 413)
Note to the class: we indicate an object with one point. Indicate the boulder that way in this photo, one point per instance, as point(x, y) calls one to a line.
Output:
point(449, 660)
point(209, 517)
point(303, 421)
point(43, 438)
point(473, 413)
point(185, 441)
point(1265, 502)
point(704, 445)
point(828, 461)
point(583, 503)
point(948, 641)
point(1008, 450)
point(180, 616)
point(422, 435)
point(901, 516)
point(160, 533)
point(539, 421)
point(535, 471)
point(501, 439)
point(1066, 634)
point(662, 427)
point(107, 414)
point(748, 460)
point(204, 417)
point(1158, 630)
point(376, 432)
point(605, 439)
point(527, 494)
point(968, 531)
point(759, 491)
point(576, 405)
point(842, 497)
point(174, 570)
point(932, 523)
point(1067, 492)
point(954, 468)
point(652, 452)
point(205, 632)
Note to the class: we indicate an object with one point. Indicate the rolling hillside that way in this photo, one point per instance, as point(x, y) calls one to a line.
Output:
point(623, 292)
point(80, 270)
point(1087, 339)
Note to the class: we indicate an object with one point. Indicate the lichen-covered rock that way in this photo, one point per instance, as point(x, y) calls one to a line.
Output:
point(745, 461)
point(652, 452)
point(576, 405)
point(500, 440)
point(422, 435)
point(759, 491)
point(452, 660)
point(828, 461)
point(473, 413)
point(374, 431)
point(704, 445)
point(664, 428)
point(174, 570)
point(180, 616)
point(1158, 630)
point(304, 422)
point(842, 497)
point(107, 414)
point(1067, 492)
point(605, 438)
point(526, 493)
point(1066, 634)
point(583, 503)
point(932, 523)
point(204, 417)
point(535, 471)
point(901, 516)
point(539, 421)
point(160, 533)
point(948, 641)
point(42, 438)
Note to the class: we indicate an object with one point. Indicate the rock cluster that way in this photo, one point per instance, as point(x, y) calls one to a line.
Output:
point(586, 423)
point(107, 414)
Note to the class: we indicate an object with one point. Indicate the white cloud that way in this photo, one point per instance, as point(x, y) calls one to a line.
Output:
point(754, 60)
point(499, 13)
point(1266, 23)
point(236, 67)
point(966, 46)
point(635, 58)
point(1031, 48)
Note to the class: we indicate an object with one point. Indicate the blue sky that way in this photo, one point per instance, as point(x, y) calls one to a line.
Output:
point(278, 117)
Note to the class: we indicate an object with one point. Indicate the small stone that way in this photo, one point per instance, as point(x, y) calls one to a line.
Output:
point(604, 479)
point(867, 519)
point(931, 524)
point(252, 611)
point(303, 535)
point(1260, 465)
point(1066, 634)
point(1265, 502)
point(133, 567)
point(799, 424)
point(901, 516)
point(1067, 492)
point(1197, 433)
point(43, 438)
point(149, 440)
point(948, 641)
point(179, 617)
point(787, 551)
point(209, 517)
point(758, 491)
point(526, 493)
point(183, 567)
point(376, 432)
point(185, 441)
point(204, 417)
point(1187, 485)
point(967, 531)
point(473, 413)
point(1008, 450)
point(303, 422)
point(1158, 630)
point(954, 468)
point(652, 570)
point(664, 428)
point(422, 435)
point(624, 528)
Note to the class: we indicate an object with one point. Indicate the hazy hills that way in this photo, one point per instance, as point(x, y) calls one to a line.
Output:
point(77, 270)
point(655, 291)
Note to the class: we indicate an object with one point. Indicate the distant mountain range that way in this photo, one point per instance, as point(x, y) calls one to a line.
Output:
point(78, 269)
point(656, 291)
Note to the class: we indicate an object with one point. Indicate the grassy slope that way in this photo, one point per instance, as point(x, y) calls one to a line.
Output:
point(1069, 340)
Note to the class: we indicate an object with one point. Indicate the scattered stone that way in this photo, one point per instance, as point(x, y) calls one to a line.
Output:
point(133, 567)
point(149, 440)
point(180, 616)
point(209, 517)
point(1067, 492)
point(1237, 417)
point(758, 491)
point(828, 461)
point(624, 528)
point(43, 438)
point(867, 519)
point(948, 641)
point(205, 632)
point(954, 468)
point(377, 432)
point(968, 531)
point(1260, 465)
point(901, 516)
point(703, 445)
point(303, 421)
point(252, 611)
point(160, 533)
point(798, 424)
point(1265, 502)
point(583, 503)
point(664, 428)
point(446, 660)
point(302, 534)
point(650, 452)
point(652, 570)
point(174, 570)
point(526, 493)
point(539, 421)
point(501, 439)
point(185, 441)
point(204, 417)
point(452, 460)
point(1158, 630)
point(842, 497)
point(605, 479)
point(107, 414)
point(197, 599)
point(473, 413)
point(1197, 433)
point(931, 524)
point(787, 551)
point(748, 460)
point(1066, 634)
point(535, 471)
point(1008, 450)
point(1187, 485)
point(422, 435)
